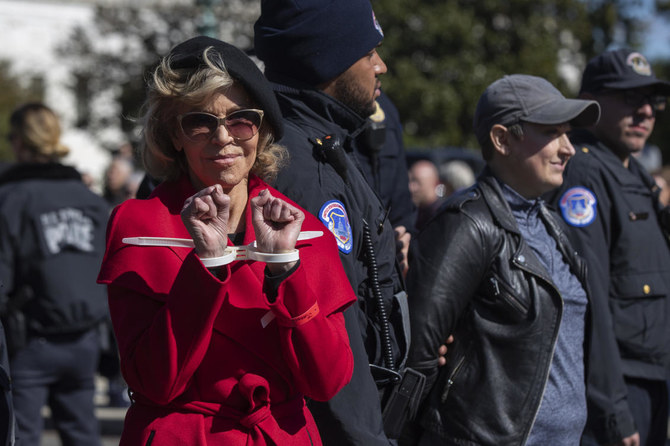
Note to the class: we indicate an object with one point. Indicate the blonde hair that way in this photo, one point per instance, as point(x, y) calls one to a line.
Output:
point(168, 92)
point(39, 130)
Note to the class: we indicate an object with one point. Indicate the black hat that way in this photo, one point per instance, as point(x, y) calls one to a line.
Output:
point(621, 69)
point(189, 55)
point(523, 98)
point(314, 41)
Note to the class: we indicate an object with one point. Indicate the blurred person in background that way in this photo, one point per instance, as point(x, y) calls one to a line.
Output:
point(118, 184)
point(455, 175)
point(662, 179)
point(426, 190)
point(52, 238)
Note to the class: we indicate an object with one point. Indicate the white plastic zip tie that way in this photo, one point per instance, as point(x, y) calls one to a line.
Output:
point(232, 253)
point(188, 243)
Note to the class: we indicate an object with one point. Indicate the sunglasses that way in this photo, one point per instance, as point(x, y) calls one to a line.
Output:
point(637, 99)
point(242, 125)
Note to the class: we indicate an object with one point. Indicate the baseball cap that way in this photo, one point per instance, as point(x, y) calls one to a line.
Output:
point(524, 98)
point(620, 69)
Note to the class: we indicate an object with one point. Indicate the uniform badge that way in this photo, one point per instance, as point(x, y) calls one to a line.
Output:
point(578, 206)
point(334, 216)
point(639, 64)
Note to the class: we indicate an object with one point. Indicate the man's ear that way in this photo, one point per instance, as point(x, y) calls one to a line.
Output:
point(500, 139)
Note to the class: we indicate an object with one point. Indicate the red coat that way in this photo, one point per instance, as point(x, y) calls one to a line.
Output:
point(203, 369)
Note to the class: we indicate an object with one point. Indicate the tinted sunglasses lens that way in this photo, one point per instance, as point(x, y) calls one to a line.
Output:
point(199, 126)
point(243, 124)
point(659, 102)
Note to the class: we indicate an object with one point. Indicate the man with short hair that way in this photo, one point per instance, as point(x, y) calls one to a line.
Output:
point(322, 58)
point(456, 175)
point(611, 204)
point(496, 269)
point(424, 185)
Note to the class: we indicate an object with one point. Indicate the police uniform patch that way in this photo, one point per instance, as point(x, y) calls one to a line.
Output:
point(578, 206)
point(334, 216)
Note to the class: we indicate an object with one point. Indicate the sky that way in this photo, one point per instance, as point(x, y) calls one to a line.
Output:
point(657, 41)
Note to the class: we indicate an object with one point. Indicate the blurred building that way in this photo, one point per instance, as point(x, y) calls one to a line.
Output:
point(32, 30)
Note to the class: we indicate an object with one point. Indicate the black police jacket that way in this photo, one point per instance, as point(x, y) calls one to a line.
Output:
point(52, 240)
point(329, 184)
point(613, 215)
point(381, 154)
point(475, 277)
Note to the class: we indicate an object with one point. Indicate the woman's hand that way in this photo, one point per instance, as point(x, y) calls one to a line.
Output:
point(205, 216)
point(277, 225)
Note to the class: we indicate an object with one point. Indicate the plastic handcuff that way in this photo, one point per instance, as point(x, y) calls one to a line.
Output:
point(231, 253)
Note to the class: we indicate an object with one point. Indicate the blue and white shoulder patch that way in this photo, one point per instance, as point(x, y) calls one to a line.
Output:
point(578, 206)
point(334, 216)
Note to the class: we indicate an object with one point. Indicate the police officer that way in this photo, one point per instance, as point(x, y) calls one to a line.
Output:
point(611, 205)
point(52, 239)
point(323, 62)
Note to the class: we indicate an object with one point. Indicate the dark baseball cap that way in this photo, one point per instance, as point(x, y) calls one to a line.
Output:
point(523, 98)
point(621, 69)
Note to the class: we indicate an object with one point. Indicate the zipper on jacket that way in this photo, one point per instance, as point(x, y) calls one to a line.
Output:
point(450, 380)
point(513, 300)
point(151, 438)
point(551, 359)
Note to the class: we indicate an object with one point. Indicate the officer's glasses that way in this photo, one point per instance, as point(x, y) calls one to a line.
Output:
point(637, 99)
point(242, 125)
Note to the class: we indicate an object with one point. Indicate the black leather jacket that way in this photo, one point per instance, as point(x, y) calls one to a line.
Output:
point(476, 278)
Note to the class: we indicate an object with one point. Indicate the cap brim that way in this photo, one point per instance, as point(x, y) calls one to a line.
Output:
point(661, 87)
point(578, 112)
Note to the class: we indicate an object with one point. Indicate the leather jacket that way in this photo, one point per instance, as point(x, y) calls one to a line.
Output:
point(475, 277)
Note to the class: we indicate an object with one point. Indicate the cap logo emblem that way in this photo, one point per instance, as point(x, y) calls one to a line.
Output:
point(639, 64)
point(578, 206)
point(378, 27)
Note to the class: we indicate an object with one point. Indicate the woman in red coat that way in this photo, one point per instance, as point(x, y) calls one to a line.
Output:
point(218, 351)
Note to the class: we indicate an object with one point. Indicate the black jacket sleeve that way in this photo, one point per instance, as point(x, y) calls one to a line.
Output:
point(449, 265)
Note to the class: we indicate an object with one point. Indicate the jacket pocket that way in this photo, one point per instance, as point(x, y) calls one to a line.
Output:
point(639, 307)
point(451, 379)
point(500, 302)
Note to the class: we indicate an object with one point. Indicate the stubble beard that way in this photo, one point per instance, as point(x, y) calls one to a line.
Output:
point(351, 94)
